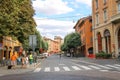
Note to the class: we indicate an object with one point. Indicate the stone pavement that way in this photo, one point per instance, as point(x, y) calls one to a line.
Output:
point(18, 69)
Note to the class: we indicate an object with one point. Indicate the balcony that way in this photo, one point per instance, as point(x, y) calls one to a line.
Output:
point(115, 18)
point(117, 0)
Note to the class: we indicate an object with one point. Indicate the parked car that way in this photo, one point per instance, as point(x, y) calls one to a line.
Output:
point(68, 54)
point(45, 54)
point(41, 56)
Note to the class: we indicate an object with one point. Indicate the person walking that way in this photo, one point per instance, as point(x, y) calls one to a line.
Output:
point(35, 57)
point(26, 61)
point(13, 60)
point(23, 61)
point(31, 58)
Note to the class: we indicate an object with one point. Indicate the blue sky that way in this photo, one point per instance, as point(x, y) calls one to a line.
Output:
point(58, 17)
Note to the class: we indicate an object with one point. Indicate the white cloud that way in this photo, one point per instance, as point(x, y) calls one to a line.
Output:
point(88, 2)
point(51, 7)
point(51, 27)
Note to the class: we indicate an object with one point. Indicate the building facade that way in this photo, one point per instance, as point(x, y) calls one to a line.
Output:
point(54, 45)
point(7, 46)
point(84, 28)
point(106, 26)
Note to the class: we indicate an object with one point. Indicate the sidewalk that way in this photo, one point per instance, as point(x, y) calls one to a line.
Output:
point(18, 69)
point(99, 61)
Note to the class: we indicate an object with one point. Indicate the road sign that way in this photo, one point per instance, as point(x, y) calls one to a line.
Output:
point(32, 41)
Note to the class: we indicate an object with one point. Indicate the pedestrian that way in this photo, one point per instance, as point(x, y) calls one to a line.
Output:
point(3, 61)
point(60, 55)
point(31, 58)
point(18, 60)
point(23, 61)
point(26, 61)
point(35, 57)
point(13, 60)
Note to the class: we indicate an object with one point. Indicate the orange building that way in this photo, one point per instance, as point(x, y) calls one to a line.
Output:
point(7, 45)
point(54, 45)
point(59, 40)
point(84, 28)
point(106, 26)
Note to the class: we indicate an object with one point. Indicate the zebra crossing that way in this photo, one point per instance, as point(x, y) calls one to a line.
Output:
point(106, 67)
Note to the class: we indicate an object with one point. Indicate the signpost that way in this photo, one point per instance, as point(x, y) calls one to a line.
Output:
point(32, 41)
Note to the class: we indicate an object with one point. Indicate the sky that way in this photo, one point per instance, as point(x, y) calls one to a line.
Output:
point(58, 17)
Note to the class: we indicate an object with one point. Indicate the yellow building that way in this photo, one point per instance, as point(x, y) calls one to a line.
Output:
point(106, 26)
point(7, 46)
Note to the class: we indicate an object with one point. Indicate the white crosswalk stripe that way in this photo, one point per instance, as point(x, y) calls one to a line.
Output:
point(47, 69)
point(66, 68)
point(105, 67)
point(78, 67)
point(85, 67)
point(37, 69)
point(112, 66)
point(118, 65)
point(57, 69)
point(95, 67)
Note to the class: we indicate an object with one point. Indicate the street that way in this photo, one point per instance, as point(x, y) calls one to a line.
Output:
point(67, 68)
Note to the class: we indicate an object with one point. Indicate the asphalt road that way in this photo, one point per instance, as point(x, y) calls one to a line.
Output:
point(56, 68)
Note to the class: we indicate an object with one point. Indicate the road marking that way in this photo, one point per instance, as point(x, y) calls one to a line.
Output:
point(112, 66)
point(47, 69)
point(104, 70)
point(76, 68)
point(95, 67)
point(1, 74)
point(66, 68)
point(104, 67)
point(85, 67)
point(117, 65)
point(57, 69)
point(37, 69)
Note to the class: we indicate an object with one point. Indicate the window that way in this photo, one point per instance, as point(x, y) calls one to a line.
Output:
point(90, 20)
point(91, 39)
point(97, 19)
point(104, 1)
point(90, 28)
point(96, 4)
point(105, 14)
point(118, 7)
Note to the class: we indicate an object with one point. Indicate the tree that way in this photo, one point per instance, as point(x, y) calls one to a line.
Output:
point(71, 41)
point(16, 20)
point(8, 16)
point(44, 45)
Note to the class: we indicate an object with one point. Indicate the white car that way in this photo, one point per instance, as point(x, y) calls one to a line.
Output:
point(45, 54)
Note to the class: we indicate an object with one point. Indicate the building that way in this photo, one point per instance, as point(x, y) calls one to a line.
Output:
point(106, 26)
point(7, 45)
point(54, 45)
point(84, 28)
point(59, 40)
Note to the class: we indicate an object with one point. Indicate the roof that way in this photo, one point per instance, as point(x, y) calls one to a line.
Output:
point(81, 21)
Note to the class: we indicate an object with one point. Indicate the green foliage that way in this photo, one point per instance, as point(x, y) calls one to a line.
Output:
point(16, 19)
point(72, 40)
point(44, 45)
point(103, 55)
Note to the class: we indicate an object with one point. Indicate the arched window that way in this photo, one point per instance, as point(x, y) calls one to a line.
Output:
point(107, 41)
